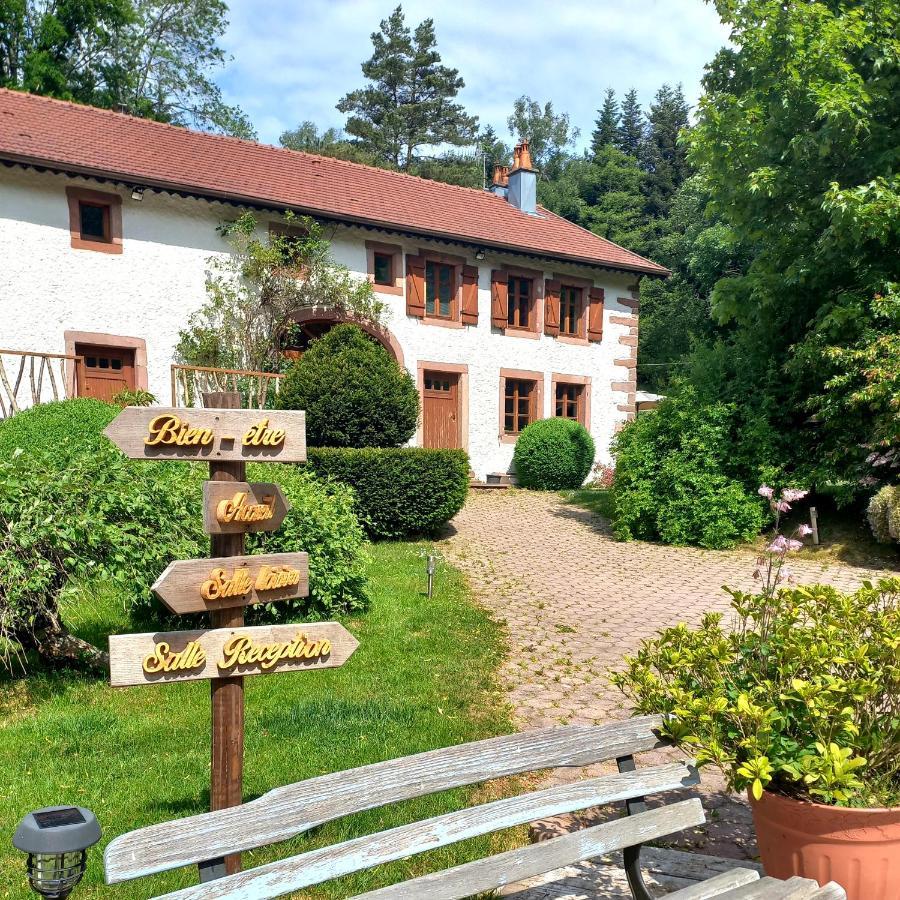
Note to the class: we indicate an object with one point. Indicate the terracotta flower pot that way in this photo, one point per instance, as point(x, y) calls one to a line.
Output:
point(857, 848)
point(291, 353)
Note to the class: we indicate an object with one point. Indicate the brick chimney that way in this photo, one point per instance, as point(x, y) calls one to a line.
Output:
point(522, 192)
point(500, 183)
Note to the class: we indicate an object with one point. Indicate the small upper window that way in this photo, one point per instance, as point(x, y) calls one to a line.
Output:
point(94, 219)
point(383, 266)
point(440, 289)
point(570, 310)
point(519, 304)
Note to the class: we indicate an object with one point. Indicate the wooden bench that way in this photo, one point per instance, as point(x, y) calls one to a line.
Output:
point(204, 840)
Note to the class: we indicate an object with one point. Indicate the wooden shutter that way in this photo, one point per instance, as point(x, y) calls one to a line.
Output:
point(415, 286)
point(499, 298)
point(595, 315)
point(470, 295)
point(551, 307)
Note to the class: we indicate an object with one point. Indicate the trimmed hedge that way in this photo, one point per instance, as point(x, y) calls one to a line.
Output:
point(400, 491)
point(553, 454)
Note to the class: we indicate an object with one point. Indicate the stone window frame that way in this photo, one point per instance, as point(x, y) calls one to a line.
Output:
point(112, 204)
point(585, 284)
point(395, 251)
point(458, 263)
point(115, 341)
point(536, 319)
point(462, 371)
point(537, 399)
point(582, 381)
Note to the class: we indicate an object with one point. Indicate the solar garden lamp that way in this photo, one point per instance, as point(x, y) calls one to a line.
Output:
point(429, 571)
point(56, 839)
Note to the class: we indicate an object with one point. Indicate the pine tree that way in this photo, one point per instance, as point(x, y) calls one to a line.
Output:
point(631, 126)
point(663, 158)
point(408, 102)
point(606, 128)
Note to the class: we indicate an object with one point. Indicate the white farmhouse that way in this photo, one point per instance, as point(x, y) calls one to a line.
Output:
point(503, 312)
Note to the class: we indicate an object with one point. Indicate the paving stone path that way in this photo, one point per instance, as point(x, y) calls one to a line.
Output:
point(574, 601)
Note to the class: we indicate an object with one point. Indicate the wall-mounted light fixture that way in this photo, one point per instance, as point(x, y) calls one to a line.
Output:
point(479, 254)
point(137, 193)
point(56, 839)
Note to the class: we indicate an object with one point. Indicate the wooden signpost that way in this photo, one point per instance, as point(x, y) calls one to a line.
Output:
point(227, 437)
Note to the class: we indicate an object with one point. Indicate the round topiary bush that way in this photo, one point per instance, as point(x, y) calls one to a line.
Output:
point(354, 392)
point(553, 454)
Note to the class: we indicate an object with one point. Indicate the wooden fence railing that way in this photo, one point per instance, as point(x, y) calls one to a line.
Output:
point(257, 389)
point(28, 377)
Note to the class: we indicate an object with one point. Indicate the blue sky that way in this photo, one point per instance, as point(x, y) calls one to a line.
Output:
point(295, 60)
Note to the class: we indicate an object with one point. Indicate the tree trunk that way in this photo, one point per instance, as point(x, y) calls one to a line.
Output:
point(58, 648)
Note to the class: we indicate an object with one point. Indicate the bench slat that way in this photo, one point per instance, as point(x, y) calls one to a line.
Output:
point(713, 887)
point(316, 866)
point(795, 888)
point(537, 859)
point(287, 811)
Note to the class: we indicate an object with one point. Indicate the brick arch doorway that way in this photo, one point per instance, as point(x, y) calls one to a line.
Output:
point(315, 322)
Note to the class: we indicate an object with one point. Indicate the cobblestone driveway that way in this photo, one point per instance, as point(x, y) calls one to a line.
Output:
point(575, 601)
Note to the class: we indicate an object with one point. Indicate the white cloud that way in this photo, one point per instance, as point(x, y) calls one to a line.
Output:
point(295, 60)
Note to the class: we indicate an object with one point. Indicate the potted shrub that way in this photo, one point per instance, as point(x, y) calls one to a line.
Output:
point(799, 704)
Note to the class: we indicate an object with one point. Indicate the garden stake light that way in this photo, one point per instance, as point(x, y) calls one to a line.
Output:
point(56, 839)
point(429, 568)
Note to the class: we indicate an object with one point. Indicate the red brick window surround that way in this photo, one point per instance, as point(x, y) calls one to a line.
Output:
point(521, 401)
point(95, 220)
point(572, 398)
point(384, 265)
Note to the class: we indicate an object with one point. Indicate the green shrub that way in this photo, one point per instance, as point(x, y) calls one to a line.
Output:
point(796, 696)
point(400, 491)
point(353, 391)
point(878, 513)
point(553, 454)
point(72, 506)
point(68, 426)
point(675, 478)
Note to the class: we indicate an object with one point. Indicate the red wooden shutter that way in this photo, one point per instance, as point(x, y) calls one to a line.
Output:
point(551, 307)
point(470, 295)
point(595, 315)
point(415, 286)
point(499, 298)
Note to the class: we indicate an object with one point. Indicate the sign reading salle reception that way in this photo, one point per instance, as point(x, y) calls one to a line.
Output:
point(226, 582)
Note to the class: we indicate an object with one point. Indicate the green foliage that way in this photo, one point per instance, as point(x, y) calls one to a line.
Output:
point(73, 507)
point(606, 127)
point(630, 136)
point(677, 479)
point(550, 135)
point(139, 397)
point(255, 293)
point(353, 391)
point(152, 58)
point(799, 698)
point(408, 102)
point(400, 491)
point(553, 454)
point(883, 515)
point(663, 156)
point(330, 142)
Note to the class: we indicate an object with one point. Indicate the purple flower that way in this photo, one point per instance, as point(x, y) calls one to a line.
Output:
point(793, 494)
point(781, 506)
point(779, 545)
point(794, 545)
point(765, 491)
point(804, 530)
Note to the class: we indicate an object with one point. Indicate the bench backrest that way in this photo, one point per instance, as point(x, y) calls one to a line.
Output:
point(287, 811)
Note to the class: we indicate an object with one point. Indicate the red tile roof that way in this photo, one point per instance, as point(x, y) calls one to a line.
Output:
point(74, 138)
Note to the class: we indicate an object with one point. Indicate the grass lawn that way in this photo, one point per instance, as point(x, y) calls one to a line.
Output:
point(599, 501)
point(423, 677)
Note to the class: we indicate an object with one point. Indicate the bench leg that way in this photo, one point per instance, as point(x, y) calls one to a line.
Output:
point(212, 869)
point(632, 855)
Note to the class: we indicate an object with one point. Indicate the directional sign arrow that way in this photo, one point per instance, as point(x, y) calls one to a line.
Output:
point(232, 507)
point(210, 435)
point(200, 585)
point(160, 658)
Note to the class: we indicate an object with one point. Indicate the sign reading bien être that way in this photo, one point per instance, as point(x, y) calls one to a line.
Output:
point(209, 435)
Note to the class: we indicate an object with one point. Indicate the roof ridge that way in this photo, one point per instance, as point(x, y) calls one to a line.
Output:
point(230, 138)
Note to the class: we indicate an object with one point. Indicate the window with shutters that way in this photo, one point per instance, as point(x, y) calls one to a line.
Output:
point(519, 404)
point(440, 290)
point(520, 303)
point(571, 311)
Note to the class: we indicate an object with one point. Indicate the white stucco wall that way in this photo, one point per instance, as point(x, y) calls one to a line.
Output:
point(150, 290)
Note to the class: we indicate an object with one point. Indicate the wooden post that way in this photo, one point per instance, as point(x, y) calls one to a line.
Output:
point(814, 524)
point(226, 781)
